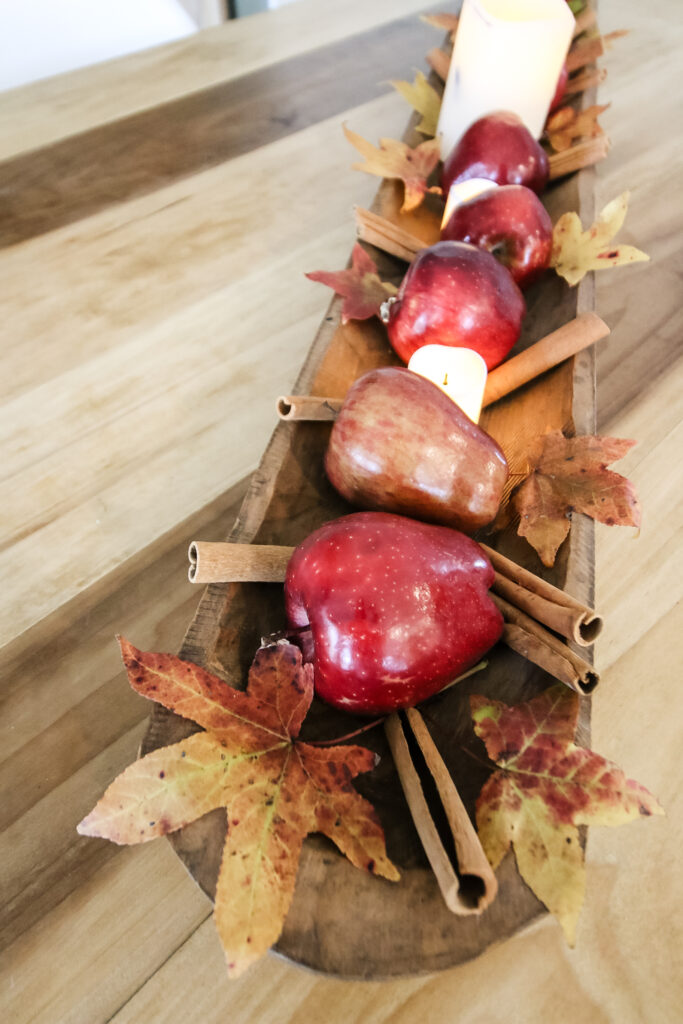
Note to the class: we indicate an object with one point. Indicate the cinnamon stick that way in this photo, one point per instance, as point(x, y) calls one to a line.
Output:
point(266, 563)
point(237, 563)
point(542, 601)
point(582, 154)
point(468, 886)
point(585, 80)
point(387, 236)
point(550, 351)
point(566, 341)
point(528, 638)
point(586, 51)
point(308, 407)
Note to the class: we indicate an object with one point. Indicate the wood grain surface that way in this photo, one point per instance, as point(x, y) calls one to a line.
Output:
point(143, 344)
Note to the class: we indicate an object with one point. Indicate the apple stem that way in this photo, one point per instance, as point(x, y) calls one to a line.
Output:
point(348, 736)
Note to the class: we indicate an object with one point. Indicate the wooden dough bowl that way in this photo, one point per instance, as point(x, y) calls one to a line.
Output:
point(343, 921)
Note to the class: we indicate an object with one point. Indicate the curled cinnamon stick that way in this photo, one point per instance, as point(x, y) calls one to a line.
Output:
point(525, 636)
point(582, 154)
point(307, 407)
point(550, 351)
point(543, 602)
point(387, 236)
point(468, 886)
point(237, 563)
point(566, 341)
point(585, 80)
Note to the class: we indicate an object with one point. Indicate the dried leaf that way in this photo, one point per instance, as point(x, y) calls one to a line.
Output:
point(444, 21)
point(275, 788)
point(545, 788)
point(423, 98)
point(569, 474)
point(360, 285)
point(575, 251)
point(566, 125)
point(397, 160)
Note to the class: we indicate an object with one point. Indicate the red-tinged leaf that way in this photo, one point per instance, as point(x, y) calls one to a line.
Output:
point(360, 285)
point(566, 126)
point(397, 160)
point(567, 475)
point(545, 788)
point(275, 788)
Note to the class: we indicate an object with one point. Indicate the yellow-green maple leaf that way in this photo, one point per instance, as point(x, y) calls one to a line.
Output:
point(424, 99)
point(576, 251)
point(545, 787)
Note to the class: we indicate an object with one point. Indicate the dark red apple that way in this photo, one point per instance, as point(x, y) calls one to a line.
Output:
point(560, 88)
point(402, 445)
point(512, 224)
point(501, 148)
point(455, 294)
point(397, 609)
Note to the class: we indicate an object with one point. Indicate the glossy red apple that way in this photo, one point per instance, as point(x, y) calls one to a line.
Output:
point(501, 148)
point(397, 609)
point(512, 224)
point(402, 445)
point(455, 294)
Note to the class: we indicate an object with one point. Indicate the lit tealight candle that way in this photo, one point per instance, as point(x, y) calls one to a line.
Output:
point(461, 191)
point(508, 55)
point(459, 372)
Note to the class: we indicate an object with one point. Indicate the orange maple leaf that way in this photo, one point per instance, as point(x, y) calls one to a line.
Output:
point(569, 474)
point(275, 788)
point(547, 786)
point(360, 285)
point(397, 160)
point(566, 125)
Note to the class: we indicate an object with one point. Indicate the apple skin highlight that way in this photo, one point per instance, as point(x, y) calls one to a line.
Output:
point(397, 609)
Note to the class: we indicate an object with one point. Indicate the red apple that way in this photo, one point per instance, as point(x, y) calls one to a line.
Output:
point(402, 445)
point(560, 88)
point(455, 294)
point(501, 148)
point(397, 609)
point(512, 224)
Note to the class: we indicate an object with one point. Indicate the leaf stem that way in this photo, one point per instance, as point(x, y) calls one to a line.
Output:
point(348, 736)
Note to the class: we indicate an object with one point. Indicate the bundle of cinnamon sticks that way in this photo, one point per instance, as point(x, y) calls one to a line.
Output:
point(530, 606)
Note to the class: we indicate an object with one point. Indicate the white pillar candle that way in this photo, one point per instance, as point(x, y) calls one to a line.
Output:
point(459, 372)
point(461, 191)
point(508, 55)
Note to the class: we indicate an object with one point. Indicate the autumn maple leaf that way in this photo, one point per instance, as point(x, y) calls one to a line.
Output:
point(566, 125)
point(360, 285)
point(397, 160)
point(569, 474)
point(576, 251)
point(444, 21)
point(547, 786)
point(275, 788)
point(423, 98)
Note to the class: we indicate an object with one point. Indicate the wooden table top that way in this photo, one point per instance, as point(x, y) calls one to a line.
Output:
point(159, 213)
